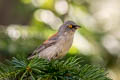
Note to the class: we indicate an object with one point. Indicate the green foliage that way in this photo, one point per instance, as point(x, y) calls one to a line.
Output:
point(42, 69)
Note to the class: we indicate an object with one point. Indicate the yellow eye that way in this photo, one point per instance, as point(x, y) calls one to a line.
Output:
point(70, 26)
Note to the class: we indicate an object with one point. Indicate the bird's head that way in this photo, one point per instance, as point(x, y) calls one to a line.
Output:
point(68, 26)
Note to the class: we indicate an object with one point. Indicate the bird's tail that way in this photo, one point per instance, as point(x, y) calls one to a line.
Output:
point(31, 57)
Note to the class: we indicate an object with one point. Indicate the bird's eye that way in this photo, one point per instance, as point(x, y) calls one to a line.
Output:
point(70, 26)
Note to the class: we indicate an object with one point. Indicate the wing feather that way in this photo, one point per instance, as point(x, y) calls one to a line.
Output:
point(51, 41)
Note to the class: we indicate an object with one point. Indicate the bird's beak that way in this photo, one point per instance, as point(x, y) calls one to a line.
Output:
point(77, 26)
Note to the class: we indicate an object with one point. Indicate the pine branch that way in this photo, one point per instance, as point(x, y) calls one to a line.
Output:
point(41, 69)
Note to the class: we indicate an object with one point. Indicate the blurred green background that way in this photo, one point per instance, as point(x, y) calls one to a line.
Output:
point(25, 24)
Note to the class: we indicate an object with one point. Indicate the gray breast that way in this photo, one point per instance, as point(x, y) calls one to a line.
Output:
point(65, 44)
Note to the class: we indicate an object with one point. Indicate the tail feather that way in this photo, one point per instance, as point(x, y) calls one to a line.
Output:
point(31, 57)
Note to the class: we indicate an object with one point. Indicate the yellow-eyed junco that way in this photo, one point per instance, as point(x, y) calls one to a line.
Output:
point(58, 44)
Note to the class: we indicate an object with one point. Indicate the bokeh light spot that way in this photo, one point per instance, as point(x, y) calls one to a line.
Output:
point(12, 32)
point(61, 6)
point(48, 17)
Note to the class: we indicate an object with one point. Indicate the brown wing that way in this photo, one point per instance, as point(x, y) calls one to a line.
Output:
point(51, 41)
point(44, 46)
point(53, 37)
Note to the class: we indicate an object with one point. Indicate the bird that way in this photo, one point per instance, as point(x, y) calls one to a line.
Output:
point(58, 44)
